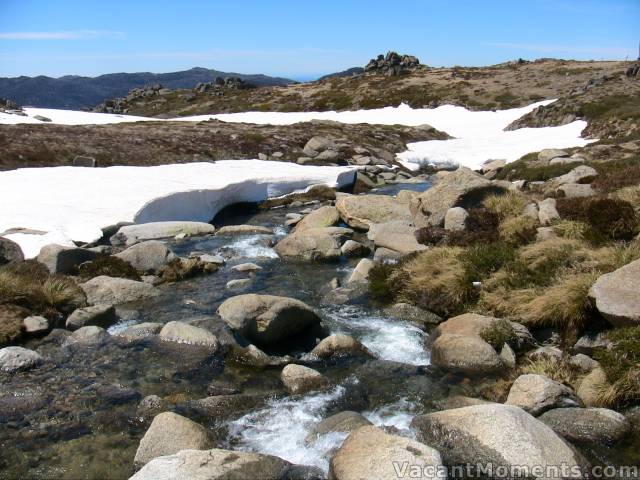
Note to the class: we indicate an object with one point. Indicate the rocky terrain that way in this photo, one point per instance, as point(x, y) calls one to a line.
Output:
point(420, 321)
point(508, 85)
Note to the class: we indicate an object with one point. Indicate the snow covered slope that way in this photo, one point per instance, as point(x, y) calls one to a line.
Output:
point(480, 136)
point(71, 203)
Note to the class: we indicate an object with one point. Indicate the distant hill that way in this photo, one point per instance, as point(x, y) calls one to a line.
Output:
point(75, 92)
point(345, 73)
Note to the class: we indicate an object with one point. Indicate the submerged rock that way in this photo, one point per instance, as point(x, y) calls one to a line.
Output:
point(170, 433)
point(180, 332)
point(340, 345)
point(99, 315)
point(346, 421)
point(140, 331)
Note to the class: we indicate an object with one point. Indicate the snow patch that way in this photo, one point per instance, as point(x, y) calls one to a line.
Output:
point(72, 203)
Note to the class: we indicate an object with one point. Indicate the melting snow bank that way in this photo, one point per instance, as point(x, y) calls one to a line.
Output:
point(74, 204)
point(472, 151)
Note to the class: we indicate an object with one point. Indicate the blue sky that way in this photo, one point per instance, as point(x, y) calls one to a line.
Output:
point(303, 39)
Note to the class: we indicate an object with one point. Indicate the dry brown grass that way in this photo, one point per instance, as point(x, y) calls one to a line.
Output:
point(624, 391)
point(629, 194)
point(511, 204)
point(518, 230)
point(558, 370)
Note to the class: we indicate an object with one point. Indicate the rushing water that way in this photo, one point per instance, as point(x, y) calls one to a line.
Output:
point(76, 417)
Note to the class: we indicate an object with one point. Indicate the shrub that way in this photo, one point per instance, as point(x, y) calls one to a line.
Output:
point(616, 174)
point(610, 217)
point(621, 364)
point(518, 230)
point(499, 333)
point(481, 227)
point(511, 204)
point(109, 266)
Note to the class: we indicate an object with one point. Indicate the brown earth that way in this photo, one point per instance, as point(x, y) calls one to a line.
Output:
point(157, 143)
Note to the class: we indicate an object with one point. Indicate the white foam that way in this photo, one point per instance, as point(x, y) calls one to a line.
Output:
point(387, 338)
point(73, 203)
point(252, 246)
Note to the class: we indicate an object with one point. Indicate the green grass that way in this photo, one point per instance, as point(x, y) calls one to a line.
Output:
point(499, 333)
point(613, 106)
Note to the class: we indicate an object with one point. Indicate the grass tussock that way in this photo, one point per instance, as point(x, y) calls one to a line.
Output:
point(577, 230)
point(110, 266)
point(509, 205)
point(499, 333)
point(621, 365)
point(518, 230)
point(630, 195)
point(557, 369)
point(11, 317)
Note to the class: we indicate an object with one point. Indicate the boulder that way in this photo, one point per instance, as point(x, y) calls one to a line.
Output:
point(298, 379)
point(110, 290)
point(320, 218)
point(246, 267)
point(244, 230)
point(180, 332)
point(10, 251)
point(465, 354)
point(473, 324)
point(170, 433)
point(361, 272)
point(413, 314)
point(360, 211)
point(398, 236)
point(455, 219)
point(549, 153)
point(583, 362)
point(59, 259)
point(405, 196)
point(591, 341)
point(99, 315)
point(460, 188)
point(340, 345)
point(537, 394)
point(351, 248)
point(370, 453)
point(238, 284)
point(547, 211)
point(598, 426)
point(91, 335)
point(313, 244)
point(346, 421)
point(503, 435)
point(132, 234)
point(214, 464)
point(267, 319)
point(147, 257)
point(35, 325)
point(318, 144)
point(581, 174)
point(576, 190)
point(15, 359)
point(617, 295)
point(140, 331)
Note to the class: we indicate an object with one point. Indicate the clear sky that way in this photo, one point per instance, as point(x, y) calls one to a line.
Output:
point(302, 39)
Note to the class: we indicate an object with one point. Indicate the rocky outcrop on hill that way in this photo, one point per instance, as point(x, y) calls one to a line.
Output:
point(392, 64)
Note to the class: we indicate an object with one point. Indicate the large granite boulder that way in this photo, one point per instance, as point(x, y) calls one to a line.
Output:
point(267, 319)
point(313, 244)
point(617, 295)
point(396, 235)
point(147, 257)
point(170, 433)
point(298, 379)
point(537, 394)
point(370, 453)
point(111, 290)
point(214, 464)
point(461, 188)
point(598, 426)
point(14, 359)
point(360, 211)
point(59, 259)
point(465, 354)
point(10, 251)
point(503, 435)
point(132, 234)
point(320, 218)
point(581, 174)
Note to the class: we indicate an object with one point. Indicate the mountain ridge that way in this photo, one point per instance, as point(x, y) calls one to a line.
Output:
point(80, 92)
